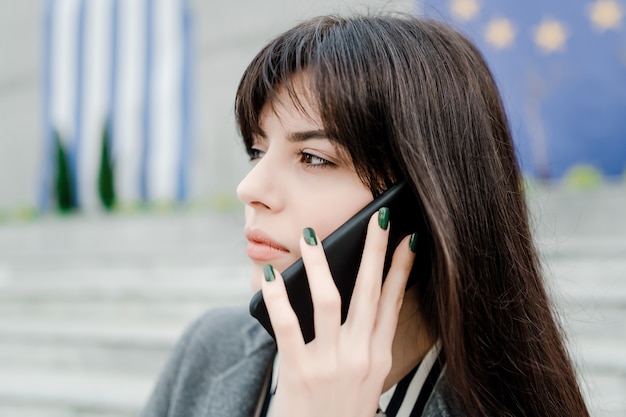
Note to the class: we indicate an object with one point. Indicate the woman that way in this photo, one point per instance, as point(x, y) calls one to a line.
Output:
point(332, 113)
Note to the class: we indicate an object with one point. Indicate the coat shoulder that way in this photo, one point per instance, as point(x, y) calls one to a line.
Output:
point(223, 336)
point(219, 363)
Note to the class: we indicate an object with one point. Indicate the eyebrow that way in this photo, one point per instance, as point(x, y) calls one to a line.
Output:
point(308, 134)
point(302, 136)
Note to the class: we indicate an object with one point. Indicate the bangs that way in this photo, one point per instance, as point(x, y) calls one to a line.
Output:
point(289, 63)
point(329, 59)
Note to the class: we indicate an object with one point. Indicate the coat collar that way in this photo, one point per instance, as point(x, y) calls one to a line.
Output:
point(236, 391)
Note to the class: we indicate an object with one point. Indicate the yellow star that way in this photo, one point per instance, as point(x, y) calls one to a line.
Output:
point(550, 35)
point(606, 14)
point(500, 33)
point(465, 9)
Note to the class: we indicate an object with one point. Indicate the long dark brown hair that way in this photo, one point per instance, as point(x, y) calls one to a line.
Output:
point(412, 98)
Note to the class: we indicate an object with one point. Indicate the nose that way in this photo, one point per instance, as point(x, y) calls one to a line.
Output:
point(259, 188)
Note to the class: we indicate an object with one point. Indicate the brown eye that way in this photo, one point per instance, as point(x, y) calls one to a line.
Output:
point(313, 160)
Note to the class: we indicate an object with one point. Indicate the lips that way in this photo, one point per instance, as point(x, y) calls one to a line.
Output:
point(261, 247)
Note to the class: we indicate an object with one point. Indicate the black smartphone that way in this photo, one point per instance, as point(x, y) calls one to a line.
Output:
point(344, 248)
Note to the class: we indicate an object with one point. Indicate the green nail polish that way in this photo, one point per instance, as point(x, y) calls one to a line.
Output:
point(268, 272)
point(413, 242)
point(309, 236)
point(383, 218)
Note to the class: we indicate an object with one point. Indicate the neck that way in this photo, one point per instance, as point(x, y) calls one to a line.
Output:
point(411, 342)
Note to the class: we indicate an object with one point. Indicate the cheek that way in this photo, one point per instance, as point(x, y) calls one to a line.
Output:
point(327, 214)
point(323, 211)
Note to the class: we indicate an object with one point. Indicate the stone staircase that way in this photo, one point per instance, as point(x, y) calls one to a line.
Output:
point(91, 305)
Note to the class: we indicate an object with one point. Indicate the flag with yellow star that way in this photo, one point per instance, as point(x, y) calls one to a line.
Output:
point(561, 69)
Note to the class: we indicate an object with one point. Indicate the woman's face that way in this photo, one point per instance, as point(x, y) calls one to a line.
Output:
point(299, 179)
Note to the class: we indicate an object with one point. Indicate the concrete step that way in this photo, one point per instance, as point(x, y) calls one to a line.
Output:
point(122, 298)
point(121, 346)
point(26, 392)
point(589, 281)
point(563, 213)
point(586, 246)
point(604, 394)
point(90, 312)
point(181, 285)
point(23, 409)
point(20, 263)
point(103, 272)
point(120, 233)
point(85, 356)
point(113, 309)
point(603, 356)
point(584, 322)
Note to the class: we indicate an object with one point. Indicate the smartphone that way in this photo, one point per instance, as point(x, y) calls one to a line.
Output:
point(344, 248)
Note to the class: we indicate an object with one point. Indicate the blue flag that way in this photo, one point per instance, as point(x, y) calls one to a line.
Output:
point(561, 69)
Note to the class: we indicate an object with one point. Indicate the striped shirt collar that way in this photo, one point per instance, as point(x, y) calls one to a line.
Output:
point(407, 398)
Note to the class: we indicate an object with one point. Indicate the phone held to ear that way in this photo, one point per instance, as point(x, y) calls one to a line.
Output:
point(344, 248)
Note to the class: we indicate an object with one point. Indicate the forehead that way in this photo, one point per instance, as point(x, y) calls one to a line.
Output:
point(295, 112)
point(294, 106)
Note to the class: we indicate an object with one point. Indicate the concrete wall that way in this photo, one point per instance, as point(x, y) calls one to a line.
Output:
point(20, 104)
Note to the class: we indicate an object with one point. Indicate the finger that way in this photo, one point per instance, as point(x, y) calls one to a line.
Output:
point(367, 289)
point(324, 293)
point(392, 293)
point(284, 320)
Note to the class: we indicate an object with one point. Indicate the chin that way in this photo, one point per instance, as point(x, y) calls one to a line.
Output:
point(255, 278)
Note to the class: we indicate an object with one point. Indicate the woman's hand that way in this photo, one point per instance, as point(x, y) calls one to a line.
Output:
point(342, 371)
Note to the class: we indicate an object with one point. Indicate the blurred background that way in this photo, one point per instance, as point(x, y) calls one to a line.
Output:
point(119, 158)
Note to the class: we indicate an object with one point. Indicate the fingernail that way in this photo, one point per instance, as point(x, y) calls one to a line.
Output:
point(309, 236)
point(413, 242)
point(383, 218)
point(268, 272)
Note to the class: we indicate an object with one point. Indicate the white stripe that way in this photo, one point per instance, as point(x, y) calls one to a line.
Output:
point(165, 118)
point(273, 384)
point(275, 369)
point(417, 383)
point(128, 110)
point(95, 90)
point(385, 397)
point(64, 15)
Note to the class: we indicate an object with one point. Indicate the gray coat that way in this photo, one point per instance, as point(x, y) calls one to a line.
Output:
point(219, 366)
